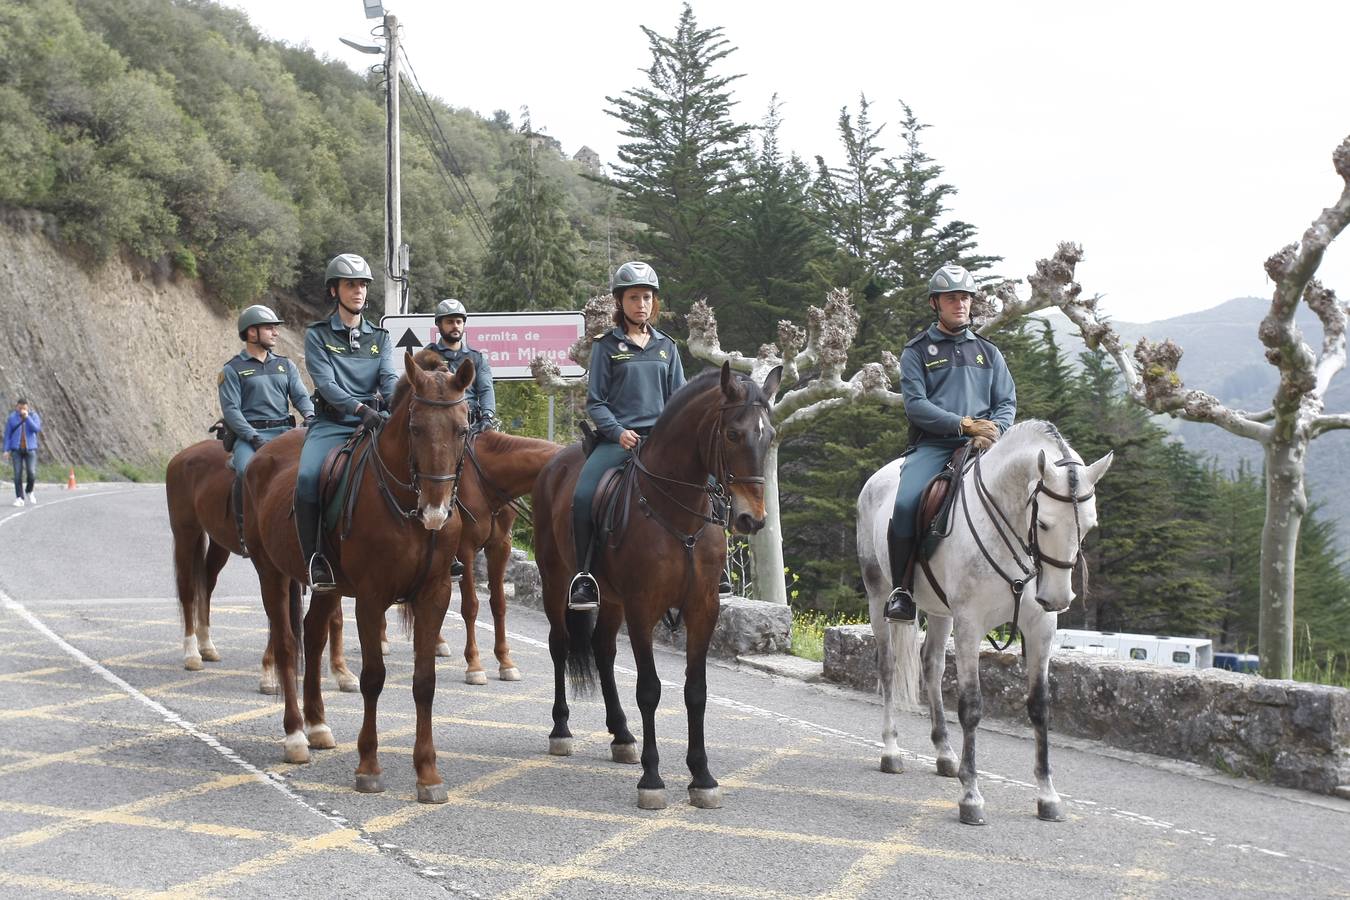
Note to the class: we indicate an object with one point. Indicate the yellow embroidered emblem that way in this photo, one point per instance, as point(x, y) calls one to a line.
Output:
point(979, 359)
point(280, 367)
point(333, 349)
point(663, 354)
point(374, 349)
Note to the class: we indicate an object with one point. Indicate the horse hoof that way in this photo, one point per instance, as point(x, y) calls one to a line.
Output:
point(892, 764)
point(321, 738)
point(705, 798)
point(477, 676)
point(946, 767)
point(296, 748)
point(509, 673)
point(972, 814)
point(652, 798)
point(192, 663)
point(210, 654)
point(432, 793)
point(1050, 811)
point(560, 746)
point(268, 686)
point(369, 784)
point(348, 683)
point(384, 647)
point(624, 753)
point(443, 649)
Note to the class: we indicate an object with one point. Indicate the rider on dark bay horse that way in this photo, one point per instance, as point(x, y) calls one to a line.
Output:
point(351, 364)
point(634, 370)
point(257, 389)
point(451, 317)
point(957, 388)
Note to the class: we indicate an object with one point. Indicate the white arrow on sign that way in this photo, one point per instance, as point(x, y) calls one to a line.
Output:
point(509, 340)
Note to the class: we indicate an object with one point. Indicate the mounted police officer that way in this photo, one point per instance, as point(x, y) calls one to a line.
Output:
point(351, 364)
point(634, 370)
point(257, 389)
point(957, 389)
point(450, 319)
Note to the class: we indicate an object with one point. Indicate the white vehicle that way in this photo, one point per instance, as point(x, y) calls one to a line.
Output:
point(1190, 653)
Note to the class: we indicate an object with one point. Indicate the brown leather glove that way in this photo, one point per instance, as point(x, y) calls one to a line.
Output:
point(981, 443)
point(980, 428)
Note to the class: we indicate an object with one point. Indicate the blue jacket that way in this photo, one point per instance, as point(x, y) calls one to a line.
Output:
point(946, 377)
point(482, 396)
point(15, 422)
point(629, 385)
point(344, 377)
point(252, 391)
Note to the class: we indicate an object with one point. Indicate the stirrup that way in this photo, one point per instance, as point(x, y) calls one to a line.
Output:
point(317, 581)
point(456, 568)
point(900, 606)
point(583, 593)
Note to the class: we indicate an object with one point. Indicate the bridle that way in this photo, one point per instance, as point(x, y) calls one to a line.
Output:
point(1027, 555)
point(414, 484)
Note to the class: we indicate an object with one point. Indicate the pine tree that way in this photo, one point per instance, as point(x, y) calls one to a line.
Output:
point(533, 250)
point(677, 168)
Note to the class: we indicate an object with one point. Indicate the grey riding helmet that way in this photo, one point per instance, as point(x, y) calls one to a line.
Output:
point(347, 265)
point(256, 315)
point(951, 278)
point(634, 274)
point(451, 307)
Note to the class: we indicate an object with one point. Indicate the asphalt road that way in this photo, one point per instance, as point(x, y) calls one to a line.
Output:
point(122, 774)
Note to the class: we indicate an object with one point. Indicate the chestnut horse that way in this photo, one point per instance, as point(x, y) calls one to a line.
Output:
point(665, 553)
point(398, 546)
point(197, 486)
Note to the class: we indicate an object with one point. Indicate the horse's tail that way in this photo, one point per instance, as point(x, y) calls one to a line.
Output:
point(580, 653)
point(904, 673)
point(297, 611)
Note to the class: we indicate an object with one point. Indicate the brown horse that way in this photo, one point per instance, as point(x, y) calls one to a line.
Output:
point(666, 553)
point(201, 518)
point(398, 546)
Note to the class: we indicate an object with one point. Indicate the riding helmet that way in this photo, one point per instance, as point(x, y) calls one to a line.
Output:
point(950, 278)
point(347, 265)
point(635, 274)
point(256, 315)
point(451, 307)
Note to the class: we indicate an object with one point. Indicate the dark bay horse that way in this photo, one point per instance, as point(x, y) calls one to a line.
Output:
point(197, 486)
point(402, 537)
point(667, 554)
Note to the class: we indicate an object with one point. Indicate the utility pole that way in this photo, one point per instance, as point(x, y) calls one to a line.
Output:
point(395, 254)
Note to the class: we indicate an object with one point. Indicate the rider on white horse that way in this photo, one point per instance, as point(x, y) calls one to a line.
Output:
point(957, 388)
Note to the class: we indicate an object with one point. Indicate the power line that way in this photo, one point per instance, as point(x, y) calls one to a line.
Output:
point(454, 187)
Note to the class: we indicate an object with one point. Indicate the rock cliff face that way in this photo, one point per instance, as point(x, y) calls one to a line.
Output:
point(120, 358)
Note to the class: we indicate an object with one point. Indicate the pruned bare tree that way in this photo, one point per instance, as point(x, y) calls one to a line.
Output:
point(1296, 414)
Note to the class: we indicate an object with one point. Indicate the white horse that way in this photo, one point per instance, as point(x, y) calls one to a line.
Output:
point(1016, 532)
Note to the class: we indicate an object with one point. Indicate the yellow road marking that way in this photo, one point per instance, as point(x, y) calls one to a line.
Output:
point(342, 838)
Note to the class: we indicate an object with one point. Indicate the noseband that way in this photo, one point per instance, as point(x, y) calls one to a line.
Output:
point(416, 478)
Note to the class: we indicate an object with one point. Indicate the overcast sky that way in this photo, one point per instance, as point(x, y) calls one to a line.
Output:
point(1181, 143)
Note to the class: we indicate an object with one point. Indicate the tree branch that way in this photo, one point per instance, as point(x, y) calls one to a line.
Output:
point(1328, 423)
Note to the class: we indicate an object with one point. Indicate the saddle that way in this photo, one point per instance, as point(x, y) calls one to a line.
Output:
point(932, 520)
point(339, 482)
point(605, 505)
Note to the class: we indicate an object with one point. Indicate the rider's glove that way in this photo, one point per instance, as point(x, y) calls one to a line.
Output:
point(980, 429)
point(309, 420)
point(369, 417)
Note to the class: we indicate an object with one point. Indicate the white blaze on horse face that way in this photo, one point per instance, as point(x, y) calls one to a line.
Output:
point(434, 517)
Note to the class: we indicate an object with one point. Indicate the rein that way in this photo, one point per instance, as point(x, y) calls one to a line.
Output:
point(1007, 533)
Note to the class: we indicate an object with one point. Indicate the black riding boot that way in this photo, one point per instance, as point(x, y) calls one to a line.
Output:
point(237, 498)
point(900, 605)
point(583, 593)
point(307, 526)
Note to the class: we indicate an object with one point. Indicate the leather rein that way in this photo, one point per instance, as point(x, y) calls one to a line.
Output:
point(1030, 549)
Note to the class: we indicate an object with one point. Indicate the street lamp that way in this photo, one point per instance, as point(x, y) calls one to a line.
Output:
point(374, 9)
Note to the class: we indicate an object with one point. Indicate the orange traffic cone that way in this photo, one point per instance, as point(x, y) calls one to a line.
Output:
point(70, 482)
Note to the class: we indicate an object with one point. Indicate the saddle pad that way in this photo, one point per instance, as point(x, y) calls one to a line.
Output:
point(935, 505)
point(334, 483)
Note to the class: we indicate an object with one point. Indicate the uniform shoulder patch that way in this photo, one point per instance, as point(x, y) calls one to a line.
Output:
point(921, 336)
point(220, 379)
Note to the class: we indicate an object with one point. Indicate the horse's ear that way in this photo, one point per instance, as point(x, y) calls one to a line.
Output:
point(1040, 462)
point(464, 375)
point(411, 368)
point(728, 381)
point(771, 383)
point(1098, 469)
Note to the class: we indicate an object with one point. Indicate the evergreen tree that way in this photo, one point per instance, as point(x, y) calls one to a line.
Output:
point(532, 252)
point(677, 167)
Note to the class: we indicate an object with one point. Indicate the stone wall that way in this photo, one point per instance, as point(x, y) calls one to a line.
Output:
point(1285, 732)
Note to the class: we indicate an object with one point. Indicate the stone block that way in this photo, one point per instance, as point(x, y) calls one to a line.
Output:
point(743, 626)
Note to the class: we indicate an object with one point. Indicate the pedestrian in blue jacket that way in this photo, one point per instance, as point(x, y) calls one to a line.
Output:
point(21, 446)
point(957, 389)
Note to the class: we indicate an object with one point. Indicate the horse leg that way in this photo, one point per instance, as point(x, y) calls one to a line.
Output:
point(369, 626)
point(337, 661)
point(267, 682)
point(969, 711)
point(623, 749)
point(498, 554)
point(187, 562)
point(384, 637)
point(316, 635)
point(427, 621)
point(216, 557)
point(651, 789)
point(934, 665)
point(468, 608)
point(560, 738)
point(281, 643)
point(1036, 638)
point(703, 790)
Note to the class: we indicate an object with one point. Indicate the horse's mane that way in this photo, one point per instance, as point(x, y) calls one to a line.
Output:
point(708, 378)
point(1030, 431)
point(500, 440)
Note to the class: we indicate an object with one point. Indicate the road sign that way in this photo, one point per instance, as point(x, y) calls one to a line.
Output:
point(510, 340)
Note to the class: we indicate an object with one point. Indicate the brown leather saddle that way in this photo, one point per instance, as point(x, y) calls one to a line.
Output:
point(339, 482)
point(932, 520)
point(608, 511)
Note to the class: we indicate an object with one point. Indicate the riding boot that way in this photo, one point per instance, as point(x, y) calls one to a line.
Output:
point(456, 568)
point(307, 524)
point(900, 605)
point(583, 593)
point(237, 498)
